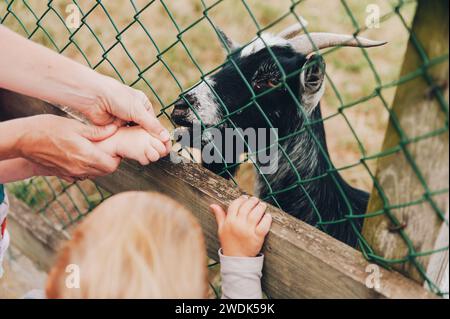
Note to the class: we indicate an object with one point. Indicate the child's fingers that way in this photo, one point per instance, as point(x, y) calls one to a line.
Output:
point(263, 227)
point(159, 147)
point(234, 207)
point(220, 214)
point(247, 207)
point(257, 213)
point(168, 146)
point(143, 160)
point(152, 155)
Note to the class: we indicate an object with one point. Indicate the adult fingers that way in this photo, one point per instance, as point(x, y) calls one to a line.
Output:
point(235, 205)
point(148, 105)
point(68, 179)
point(220, 214)
point(102, 163)
point(247, 207)
point(97, 133)
point(144, 115)
point(257, 214)
point(152, 125)
point(119, 123)
point(263, 227)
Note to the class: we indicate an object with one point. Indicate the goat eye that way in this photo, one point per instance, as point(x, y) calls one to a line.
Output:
point(273, 83)
point(266, 84)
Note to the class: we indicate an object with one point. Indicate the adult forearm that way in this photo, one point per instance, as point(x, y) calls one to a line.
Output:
point(11, 133)
point(15, 170)
point(34, 70)
point(64, 146)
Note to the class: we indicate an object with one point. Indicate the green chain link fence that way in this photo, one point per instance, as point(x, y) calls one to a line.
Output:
point(165, 47)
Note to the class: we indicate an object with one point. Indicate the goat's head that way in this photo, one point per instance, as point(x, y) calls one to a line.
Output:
point(264, 82)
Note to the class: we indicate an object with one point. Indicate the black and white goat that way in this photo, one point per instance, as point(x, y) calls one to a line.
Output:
point(330, 196)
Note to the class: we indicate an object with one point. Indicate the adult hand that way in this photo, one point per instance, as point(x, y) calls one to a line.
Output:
point(119, 103)
point(65, 146)
point(40, 170)
point(54, 78)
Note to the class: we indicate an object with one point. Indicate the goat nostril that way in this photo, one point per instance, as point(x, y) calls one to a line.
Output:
point(179, 112)
point(181, 104)
point(181, 109)
point(185, 102)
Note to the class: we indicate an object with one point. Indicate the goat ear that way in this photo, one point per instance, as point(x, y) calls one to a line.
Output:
point(312, 86)
point(226, 41)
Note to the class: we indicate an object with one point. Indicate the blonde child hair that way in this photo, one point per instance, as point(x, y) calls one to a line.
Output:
point(134, 245)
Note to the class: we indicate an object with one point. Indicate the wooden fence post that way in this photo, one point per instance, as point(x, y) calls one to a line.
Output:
point(418, 112)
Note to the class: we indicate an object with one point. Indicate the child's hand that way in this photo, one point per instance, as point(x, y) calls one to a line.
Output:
point(134, 143)
point(243, 229)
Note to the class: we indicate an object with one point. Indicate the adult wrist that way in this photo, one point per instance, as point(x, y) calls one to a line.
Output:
point(13, 139)
point(94, 98)
point(106, 88)
point(24, 137)
point(88, 96)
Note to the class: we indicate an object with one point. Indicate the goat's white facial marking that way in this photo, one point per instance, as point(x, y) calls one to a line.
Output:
point(311, 100)
point(312, 81)
point(206, 105)
point(262, 42)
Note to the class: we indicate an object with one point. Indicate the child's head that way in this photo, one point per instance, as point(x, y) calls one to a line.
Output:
point(134, 245)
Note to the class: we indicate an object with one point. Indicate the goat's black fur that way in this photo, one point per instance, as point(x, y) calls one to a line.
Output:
point(331, 196)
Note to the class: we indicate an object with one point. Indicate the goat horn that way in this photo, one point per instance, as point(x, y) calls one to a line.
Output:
point(293, 30)
point(307, 44)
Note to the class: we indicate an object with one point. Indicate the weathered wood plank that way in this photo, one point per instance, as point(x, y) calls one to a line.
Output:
point(16, 105)
point(301, 261)
point(32, 235)
point(418, 111)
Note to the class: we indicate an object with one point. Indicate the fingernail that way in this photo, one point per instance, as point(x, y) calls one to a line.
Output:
point(165, 136)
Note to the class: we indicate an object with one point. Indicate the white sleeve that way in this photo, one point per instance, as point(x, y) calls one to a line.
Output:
point(4, 209)
point(241, 277)
point(4, 241)
point(35, 294)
